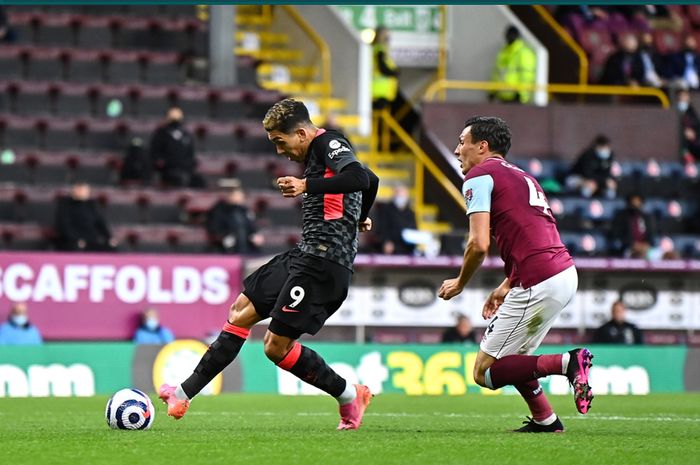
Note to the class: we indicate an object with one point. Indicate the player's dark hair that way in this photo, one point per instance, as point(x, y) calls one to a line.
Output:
point(491, 129)
point(286, 115)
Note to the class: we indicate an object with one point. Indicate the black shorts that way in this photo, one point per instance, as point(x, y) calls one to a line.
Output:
point(299, 290)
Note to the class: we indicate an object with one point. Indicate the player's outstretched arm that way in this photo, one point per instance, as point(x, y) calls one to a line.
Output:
point(477, 248)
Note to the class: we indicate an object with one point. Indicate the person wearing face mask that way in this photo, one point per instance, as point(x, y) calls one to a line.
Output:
point(515, 64)
point(151, 331)
point(172, 152)
point(632, 232)
point(17, 330)
point(690, 127)
point(591, 173)
point(392, 219)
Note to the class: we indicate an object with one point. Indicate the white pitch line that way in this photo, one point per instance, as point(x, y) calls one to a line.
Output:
point(590, 417)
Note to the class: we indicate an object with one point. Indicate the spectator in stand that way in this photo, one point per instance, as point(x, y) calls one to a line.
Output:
point(625, 66)
point(151, 331)
point(652, 62)
point(461, 333)
point(617, 330)
point(515, 64)
point(231, 225)
point(392, 220)
point(7, 33)
point(18, 330)
point(137, 167)
point(690, 127)
point(632, 232)
point(591, 173)
point(79, 225)
point(173, 154)
point(385, 79)
point(685, 65)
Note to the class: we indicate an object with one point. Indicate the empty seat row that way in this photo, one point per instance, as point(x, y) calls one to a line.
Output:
point(144, 238)
point(114, 134)
point(138, 9)
point(186, 35)
point(27, 204)
point(649, 178)
point(134, 100)
point(82, 65)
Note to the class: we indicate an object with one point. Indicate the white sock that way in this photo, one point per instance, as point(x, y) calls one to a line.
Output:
point(565, 357)
point(348, 394)
point(180, 394)
point(547, 421)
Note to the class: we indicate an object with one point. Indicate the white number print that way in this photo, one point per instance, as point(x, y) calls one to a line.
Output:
point(297, 293)
point(537, 198)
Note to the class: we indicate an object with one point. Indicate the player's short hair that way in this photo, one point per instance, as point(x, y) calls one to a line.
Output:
point(286, 115)
point(493, 130)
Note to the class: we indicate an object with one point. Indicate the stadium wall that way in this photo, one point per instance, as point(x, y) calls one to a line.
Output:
point(100, 296)
point(563, 131)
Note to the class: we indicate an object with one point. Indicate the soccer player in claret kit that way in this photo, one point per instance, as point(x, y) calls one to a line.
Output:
point(301, 288)
point(540, 280)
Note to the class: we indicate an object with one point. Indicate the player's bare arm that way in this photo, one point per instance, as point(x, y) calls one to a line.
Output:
point(495, 299)
point(477, 248)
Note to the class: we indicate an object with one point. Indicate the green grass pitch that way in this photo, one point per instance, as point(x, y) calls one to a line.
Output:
point(269, 429)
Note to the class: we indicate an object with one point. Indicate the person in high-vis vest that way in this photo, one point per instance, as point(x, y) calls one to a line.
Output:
point(385, 82)
point(515, 64)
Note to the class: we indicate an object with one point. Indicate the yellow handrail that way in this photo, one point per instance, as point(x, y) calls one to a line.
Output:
point(327, 90)
point(575, 47)
point(551, 88)
point(424, 159)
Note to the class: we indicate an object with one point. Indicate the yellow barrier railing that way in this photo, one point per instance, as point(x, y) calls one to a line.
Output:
point(550, 88)
point(422, 160)
point(327, 90)
point(571, 43)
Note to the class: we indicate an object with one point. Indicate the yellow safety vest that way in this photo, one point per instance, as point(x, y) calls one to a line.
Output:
point(515, 64)
point(383, 86)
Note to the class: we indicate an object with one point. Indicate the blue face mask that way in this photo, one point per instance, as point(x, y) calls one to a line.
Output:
point(19, 320)
point(151, 324)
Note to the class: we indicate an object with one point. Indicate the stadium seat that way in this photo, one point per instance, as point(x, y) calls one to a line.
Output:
point(667, 41)
point(194, 101)
point(10, 62)
point(161, 68)
point(123, 66)
point(43, 63)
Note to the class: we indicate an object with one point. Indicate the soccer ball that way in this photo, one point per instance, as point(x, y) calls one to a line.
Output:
point(129, 409)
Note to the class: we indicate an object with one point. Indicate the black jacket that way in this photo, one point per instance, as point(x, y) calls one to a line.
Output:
point(225, 219)
point(80, 220)
point(614, 333)
point(172, 148)
point(621, 238)
point(391, 221)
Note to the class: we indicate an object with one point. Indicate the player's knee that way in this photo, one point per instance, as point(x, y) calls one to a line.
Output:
point(480, 375)
point(236, 309)
point(275, 348)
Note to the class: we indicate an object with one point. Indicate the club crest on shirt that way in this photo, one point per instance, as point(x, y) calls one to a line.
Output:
point(468, 194)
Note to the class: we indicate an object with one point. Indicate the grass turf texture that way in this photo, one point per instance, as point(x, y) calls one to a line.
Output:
point(270, 429)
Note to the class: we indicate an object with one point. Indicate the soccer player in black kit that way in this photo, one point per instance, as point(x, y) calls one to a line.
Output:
point(301, 288)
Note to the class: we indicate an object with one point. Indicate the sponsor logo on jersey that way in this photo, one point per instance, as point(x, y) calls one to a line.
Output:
point(337, 151)
point(334, 144)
